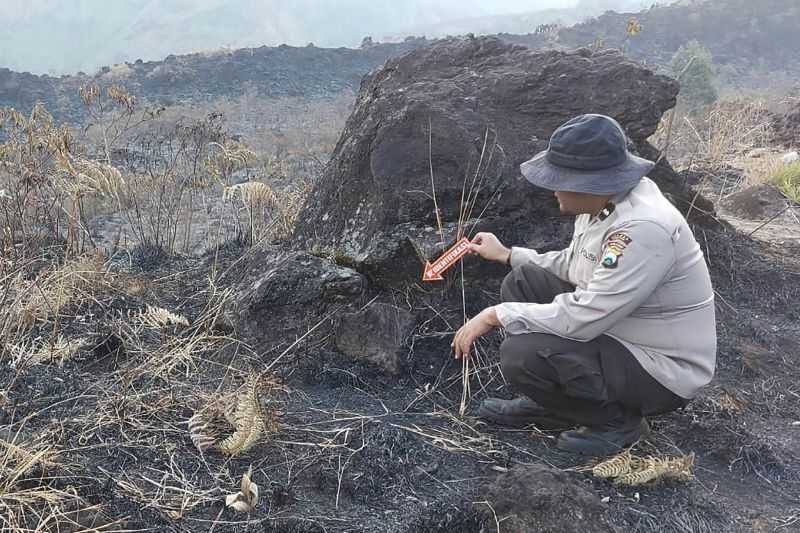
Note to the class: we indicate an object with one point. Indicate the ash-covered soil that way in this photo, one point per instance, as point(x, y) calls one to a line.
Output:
point(360, 451)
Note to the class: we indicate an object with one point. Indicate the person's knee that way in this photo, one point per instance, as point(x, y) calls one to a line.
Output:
point(511, 358)
point(519, 358)
point(512, 288)
point(507, 289)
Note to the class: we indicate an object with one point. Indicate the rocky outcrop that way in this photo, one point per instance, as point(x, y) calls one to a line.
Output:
point(757, 202)
point(377, 334)
point(285, 294)
point(459, 117)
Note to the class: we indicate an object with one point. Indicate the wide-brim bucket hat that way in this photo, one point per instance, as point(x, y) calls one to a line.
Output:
point(587, 154)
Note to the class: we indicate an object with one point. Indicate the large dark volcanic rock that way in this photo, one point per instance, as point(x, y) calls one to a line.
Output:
point(458, 109)
point(376, 334)
point(285, 294)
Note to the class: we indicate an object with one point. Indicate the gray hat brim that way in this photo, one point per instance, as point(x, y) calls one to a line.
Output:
point(540, 172)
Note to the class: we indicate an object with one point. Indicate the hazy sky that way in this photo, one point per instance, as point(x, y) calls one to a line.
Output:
point(64, 36)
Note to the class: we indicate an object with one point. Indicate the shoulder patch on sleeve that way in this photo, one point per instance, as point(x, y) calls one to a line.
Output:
point(614, 247)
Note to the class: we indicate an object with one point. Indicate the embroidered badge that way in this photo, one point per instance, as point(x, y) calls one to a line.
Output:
point(615, 246)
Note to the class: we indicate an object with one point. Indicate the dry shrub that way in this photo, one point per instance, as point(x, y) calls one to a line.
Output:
point(270, 213)
point(33, 204)
point(293, 200)
point(229, 158)
point(155, 168)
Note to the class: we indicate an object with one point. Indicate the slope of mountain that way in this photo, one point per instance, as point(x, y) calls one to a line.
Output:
point(268, 71)
point(739, 33)
point(96, 34)
point(742, 36)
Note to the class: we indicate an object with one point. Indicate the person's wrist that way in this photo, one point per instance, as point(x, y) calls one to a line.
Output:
point(507, 257)
point(491, 317)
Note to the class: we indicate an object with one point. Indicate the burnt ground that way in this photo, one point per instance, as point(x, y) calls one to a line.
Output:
point(360, 451)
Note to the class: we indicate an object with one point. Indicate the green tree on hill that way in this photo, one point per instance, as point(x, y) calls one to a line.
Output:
point(693, 66)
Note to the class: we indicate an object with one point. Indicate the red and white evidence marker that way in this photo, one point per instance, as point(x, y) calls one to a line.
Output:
point(433, 272)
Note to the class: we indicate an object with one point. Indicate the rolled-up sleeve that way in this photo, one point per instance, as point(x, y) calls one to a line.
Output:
point(636, 258)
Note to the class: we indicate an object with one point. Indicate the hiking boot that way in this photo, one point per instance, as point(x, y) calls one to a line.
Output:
point(604, 440)
point(520, 412)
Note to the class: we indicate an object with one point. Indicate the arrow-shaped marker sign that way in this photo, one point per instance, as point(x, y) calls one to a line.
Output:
point(433, 272)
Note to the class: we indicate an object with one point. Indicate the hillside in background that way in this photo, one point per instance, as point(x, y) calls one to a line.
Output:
point(92, 34)
point(270, 72)
point(751, 44)
point(746, 40)
point(741, 35)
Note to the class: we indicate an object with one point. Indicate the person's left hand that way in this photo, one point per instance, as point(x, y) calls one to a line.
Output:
point(475, 328)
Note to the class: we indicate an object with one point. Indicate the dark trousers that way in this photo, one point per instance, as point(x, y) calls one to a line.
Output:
point(589, 383)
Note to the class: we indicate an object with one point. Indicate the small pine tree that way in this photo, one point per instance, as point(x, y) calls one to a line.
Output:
point(697, 78)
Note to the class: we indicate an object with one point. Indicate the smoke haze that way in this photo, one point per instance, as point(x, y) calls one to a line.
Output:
point(66, 36)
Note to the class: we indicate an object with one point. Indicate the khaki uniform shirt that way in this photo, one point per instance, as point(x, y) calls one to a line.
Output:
point(640, 278)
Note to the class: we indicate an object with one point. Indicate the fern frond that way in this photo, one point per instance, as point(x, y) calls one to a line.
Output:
point(120, 96)
point(90, 177)
point(639, 477)
point(201, 432)
point(58, 351)
point(249, 422)
point(654, 469)
point(158, 317)
point(616, 466)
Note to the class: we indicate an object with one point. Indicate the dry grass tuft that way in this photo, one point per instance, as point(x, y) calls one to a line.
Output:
point(25, 498)
point(44, 298)
point(787, 179)
point(726, 131)
point(252, 193)
point(731, 128)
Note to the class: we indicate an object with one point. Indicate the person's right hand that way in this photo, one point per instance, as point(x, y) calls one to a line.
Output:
point(488, 246)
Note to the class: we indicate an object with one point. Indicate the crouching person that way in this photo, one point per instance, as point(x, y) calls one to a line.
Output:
point(618, 326)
